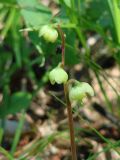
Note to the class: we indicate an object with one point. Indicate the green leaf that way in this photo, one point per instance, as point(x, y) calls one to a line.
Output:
point(8, 1)
point(15, 103)
point(71, 56)
point(19, 100)
point(98, 12)
point(68, 3)
point(41, 45)
point(118, 3)
point(34, 13)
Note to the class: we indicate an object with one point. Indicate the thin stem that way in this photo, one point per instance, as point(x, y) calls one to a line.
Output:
point(79, 6)
point(1, 135)
point(71, 125)
point(2, 128)
point(63, 45)
point(103, 91)
point(68, 103)
point(82, 40)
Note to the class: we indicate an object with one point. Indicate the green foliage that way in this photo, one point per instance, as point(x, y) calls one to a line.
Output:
point(115, 12)
point(8, 1)
point(14, 103)
point(34, 13)
point(29, 12)
point(67, 3)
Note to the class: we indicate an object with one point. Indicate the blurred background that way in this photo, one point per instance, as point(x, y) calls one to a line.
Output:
point(33, 116)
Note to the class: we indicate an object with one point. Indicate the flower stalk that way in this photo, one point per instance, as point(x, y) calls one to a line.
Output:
point(68, 103)
point(73, 91)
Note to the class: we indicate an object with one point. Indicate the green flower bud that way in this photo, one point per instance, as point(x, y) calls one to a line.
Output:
point(58, 75)
point(49, 34)
point(79, 91)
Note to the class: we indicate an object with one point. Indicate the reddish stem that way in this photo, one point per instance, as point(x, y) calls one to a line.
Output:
point(71, 125)
point(69, 108)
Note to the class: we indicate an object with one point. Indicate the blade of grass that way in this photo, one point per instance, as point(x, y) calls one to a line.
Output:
point(115, 11)
point(3, 151)
point(105, 149)
point(18, 133)
point(8, 23)
point(107, 141)
point(2, 129)
point(39, 145)
point(16, 39)
point(58, 99)
point(75, 20)
point(108, 103)
point(1, 135)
